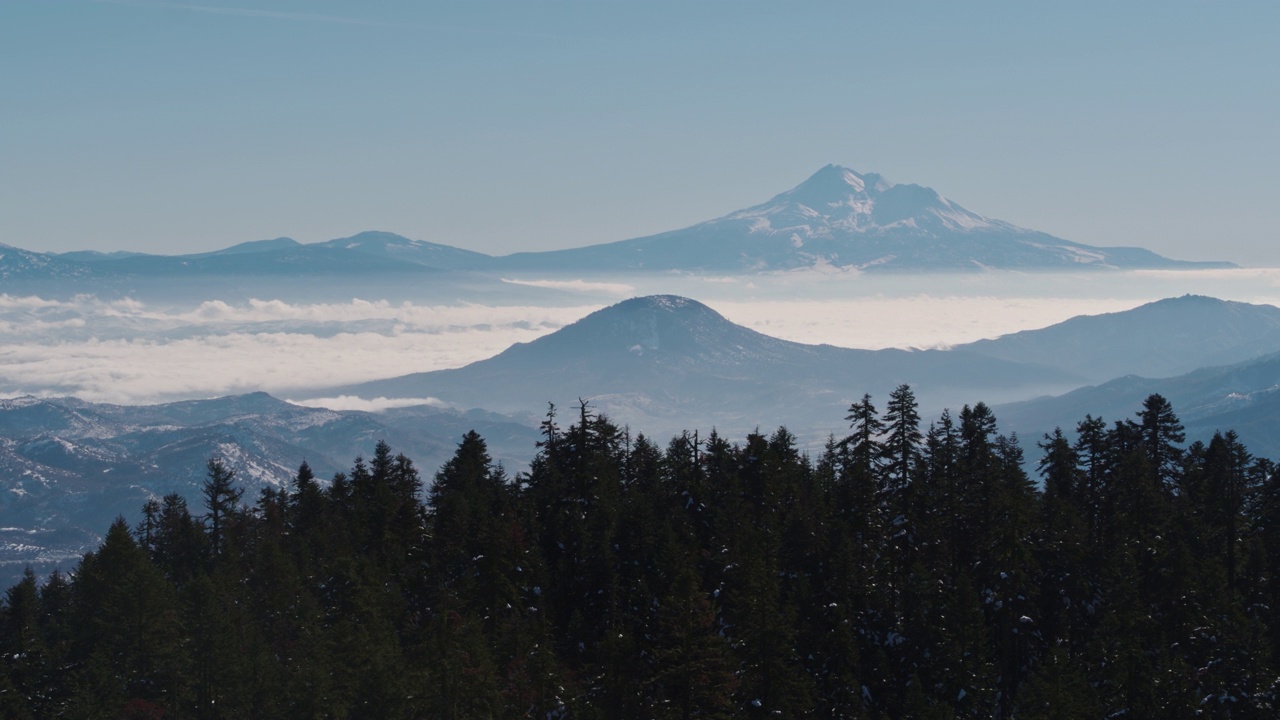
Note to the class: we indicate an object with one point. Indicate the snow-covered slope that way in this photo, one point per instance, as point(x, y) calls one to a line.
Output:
point(844, 219)
point(838, 218)
point(69, 467)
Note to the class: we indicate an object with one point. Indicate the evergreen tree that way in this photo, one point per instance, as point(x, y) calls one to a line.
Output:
point(1226, 492)
point(1062, 544)
point(863, 447)
point(1161, 433)
point(711, 579)
point(21, 643)
point(126, 646)
point(221, 500)
point(902, 439)
point(179, 547)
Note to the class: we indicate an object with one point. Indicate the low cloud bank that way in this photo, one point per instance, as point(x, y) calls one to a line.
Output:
point(378, 404)
point(125, 351)
point(585, 286)
point(128, 352)
point(922, 321)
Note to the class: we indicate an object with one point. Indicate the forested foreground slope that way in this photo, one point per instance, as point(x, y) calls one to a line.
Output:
point(907, 572)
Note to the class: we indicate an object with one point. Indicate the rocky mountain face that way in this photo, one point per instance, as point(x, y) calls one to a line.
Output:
point(17, 265)
point(68, 467)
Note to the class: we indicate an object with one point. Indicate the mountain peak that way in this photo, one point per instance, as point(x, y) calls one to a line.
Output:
point(256, 246)
point(377, 238)
point(834, 186)
point(661, 303)
point(838, 201)
point(840, 177)
point(642, 318)
point(654, 323)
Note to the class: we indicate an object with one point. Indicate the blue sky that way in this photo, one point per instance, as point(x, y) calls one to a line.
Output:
point(507, 126)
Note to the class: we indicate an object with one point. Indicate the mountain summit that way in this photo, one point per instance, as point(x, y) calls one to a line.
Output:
point(846, 200)
point(837, 219)
point(840, 218)
point(665, 362)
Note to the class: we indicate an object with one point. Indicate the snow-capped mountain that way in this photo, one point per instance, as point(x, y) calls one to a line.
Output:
point(844, 219)
point(838, 218)
point(17, 265)
point(840, 199)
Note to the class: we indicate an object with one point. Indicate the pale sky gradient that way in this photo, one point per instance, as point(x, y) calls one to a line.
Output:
point(538, 124)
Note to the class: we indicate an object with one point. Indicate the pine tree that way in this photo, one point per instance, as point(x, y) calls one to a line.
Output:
point(1091, 448)
point(695, 669)
point(221, 499)
point(179, 547)
point(25, 680)
point(863, 447)
point(1161, 434)
point(902, 439)
point(1062, 544)
point(126, 646)
point(1227, 489)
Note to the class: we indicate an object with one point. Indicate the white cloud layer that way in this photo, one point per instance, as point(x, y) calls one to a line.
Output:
point(576, 285)
point(378, 404)
point(129, 352)
point(920, 321)
point(126, 351)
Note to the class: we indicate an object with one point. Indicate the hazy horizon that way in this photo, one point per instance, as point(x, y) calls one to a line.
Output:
point(499, 126)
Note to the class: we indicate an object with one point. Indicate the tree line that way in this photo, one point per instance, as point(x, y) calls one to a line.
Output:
point(905, 572)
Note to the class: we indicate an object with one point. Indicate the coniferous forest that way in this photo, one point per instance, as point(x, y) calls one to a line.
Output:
point(908, 571)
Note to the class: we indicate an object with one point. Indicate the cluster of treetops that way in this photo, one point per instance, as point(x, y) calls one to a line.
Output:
point(906, 572)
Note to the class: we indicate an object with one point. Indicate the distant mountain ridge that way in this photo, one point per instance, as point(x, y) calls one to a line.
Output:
point(69, 467)
point(1159, 339)
point(1244, 397)
point(844, 219)
point(661, 362)
point(665, 362)
point(1217, 361)
point(837, 218)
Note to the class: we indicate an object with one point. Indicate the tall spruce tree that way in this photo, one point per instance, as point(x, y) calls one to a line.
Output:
point(902, 439)
point(1161, 433)
point(862, 446)
point(221, 500)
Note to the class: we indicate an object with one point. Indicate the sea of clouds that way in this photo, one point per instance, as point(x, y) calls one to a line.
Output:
point(131, 352)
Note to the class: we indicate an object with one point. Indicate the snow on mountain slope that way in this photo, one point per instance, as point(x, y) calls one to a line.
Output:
point(840, 218)
point(836, 219)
